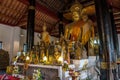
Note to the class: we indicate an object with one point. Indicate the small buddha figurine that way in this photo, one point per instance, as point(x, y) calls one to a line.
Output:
point(45, 35)
point(21, 58)
point(36, 60)
point(42, 54)
point(57, 54)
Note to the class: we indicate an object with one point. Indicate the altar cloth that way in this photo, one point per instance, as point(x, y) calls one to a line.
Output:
point(8, 77)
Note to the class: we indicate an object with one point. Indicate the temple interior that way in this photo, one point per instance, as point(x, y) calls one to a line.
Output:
point(59, 39)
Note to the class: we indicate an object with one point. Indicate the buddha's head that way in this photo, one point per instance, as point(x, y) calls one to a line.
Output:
point(84, 17)
point(75, 9)
point(75, 16)
point(44, 27)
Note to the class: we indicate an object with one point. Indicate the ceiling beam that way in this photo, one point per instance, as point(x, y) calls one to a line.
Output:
point(44, 21)
point(42, 9)
point(12, 10)
point(48, 4)
point(46, 11)
point(118, 32)
point(116, 13)
point(88, 3)
point(3, 22)
point(7, 16)
point(114, 3)
point(116, 18)
point(9, 19)
point(22, 24)
point(118, 28)
point(117, 22)
point(26, 2)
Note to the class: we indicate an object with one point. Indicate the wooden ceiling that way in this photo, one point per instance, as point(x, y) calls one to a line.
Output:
point(14, 12)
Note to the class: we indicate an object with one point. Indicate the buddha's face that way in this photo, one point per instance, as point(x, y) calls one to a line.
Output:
point(44, 28)
point(85, 18)
point(75, 16)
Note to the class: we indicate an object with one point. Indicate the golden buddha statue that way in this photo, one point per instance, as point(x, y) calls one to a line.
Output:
point(87, 29)
point(57, 54)
point(42, 54)
point(80, 30)
point(36, 60)
point(45, 35)
point(73, 30)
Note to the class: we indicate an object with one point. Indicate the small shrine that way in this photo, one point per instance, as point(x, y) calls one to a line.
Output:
point(68, 57)
point(59, 39)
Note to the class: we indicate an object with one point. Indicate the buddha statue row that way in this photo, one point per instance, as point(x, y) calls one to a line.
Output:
point(71, 44)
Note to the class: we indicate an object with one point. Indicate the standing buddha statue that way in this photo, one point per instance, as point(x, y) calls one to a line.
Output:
point(45, 35)
point(80, 29)
point(46, 40)
point(87, 29)
point(73, 30)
